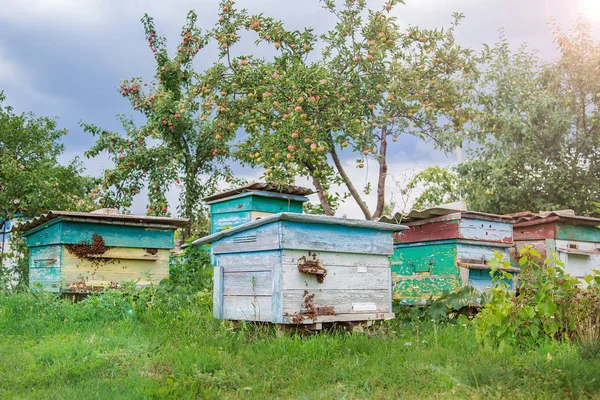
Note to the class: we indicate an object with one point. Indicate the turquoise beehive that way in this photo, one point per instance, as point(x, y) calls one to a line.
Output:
point(253, 201)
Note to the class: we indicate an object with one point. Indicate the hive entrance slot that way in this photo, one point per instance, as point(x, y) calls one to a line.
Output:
point(313, 266)
point(245, 239)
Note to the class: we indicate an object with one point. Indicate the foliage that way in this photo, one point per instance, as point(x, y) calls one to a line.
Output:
point(537, 137)
point(307, 114)
point(180, 145)
point(32, 181)
point(192, 269)
point(548, 304)
point(154, 344)
point(449, 307)
point(436, 185)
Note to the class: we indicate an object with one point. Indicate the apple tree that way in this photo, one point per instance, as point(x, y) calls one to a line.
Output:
point(180, 144)
point(324, 104)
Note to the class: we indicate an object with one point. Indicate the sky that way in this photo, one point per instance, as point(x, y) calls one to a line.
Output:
point(64, 58)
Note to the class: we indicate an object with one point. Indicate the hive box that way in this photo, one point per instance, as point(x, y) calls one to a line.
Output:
point(253, 201)
point(575, 239)
point(303, 269)
point(443, 250)
point(74, 252)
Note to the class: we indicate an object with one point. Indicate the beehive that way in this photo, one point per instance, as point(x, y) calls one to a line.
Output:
point(303, 269)
point(74, 252)
point(253, 201)
point(445, 249)
point(575, 239)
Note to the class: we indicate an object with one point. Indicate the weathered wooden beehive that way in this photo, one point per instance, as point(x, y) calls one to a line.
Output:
point(253, 201)
point(445, 249)
point(75, 252)
point(292, 268)
point(575, 239)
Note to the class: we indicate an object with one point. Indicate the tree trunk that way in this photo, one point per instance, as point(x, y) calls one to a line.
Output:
point(188, 209)
point(324, 202)
point(383, 169)
point(349, 185)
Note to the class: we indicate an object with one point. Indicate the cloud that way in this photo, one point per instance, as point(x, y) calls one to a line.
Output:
point(18, 82)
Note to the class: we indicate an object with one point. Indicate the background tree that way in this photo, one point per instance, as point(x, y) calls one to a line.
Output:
point(307, 113)
point(538, 143)
point(180, 144)
point(435, 186)
point(32, 181)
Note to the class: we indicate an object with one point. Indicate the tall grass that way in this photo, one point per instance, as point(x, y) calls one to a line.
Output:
point(159, 343)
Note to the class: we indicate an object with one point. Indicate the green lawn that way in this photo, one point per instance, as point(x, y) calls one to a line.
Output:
point(109, 347)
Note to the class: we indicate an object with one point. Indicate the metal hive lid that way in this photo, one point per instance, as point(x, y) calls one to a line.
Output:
point(442, 210)
point(316, 219)
point(91, 217)
point(550, 216)
point(264, 187)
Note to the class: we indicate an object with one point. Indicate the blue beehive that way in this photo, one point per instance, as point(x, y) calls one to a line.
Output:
point(75, 252)
point(303, 269)
point(253, 201)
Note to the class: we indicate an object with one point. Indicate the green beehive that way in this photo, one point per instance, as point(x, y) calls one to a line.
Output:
point(253, 201)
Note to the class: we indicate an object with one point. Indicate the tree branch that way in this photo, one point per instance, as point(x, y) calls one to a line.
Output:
point(383, 168)
point(349, 185)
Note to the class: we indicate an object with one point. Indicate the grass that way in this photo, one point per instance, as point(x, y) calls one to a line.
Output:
point(156, 344)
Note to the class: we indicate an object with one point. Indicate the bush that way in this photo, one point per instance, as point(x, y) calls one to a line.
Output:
point(548, 304)
point(193, 269)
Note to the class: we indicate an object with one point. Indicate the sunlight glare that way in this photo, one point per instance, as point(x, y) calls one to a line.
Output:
point(591, 9)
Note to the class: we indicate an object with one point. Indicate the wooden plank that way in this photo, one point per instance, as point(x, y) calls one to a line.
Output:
point(436, 259)
point(264, 237)
point(47, 234)
point(121, 263)
point(429, 231)
point(237, 204)
point(277, 291)
point(489, 231)
point(45, 267)
point(118, 236)
point(103, 272)
point(275, 205)
point(479, 254)
point(416, 289)
point(221, 222)
point(338, 259)
point(342, 301)
point(577, 233)
point(338, 278)
point(247, 308)
point(128, 253)
point(523, 231)
point(250, 261)
point(339, 238)
point(106, 278)
point(340, 318)
point(247, 283)
point(218, 291)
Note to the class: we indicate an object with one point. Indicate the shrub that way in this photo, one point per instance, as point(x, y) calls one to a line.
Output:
point(193, 269)
point(548, 304)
